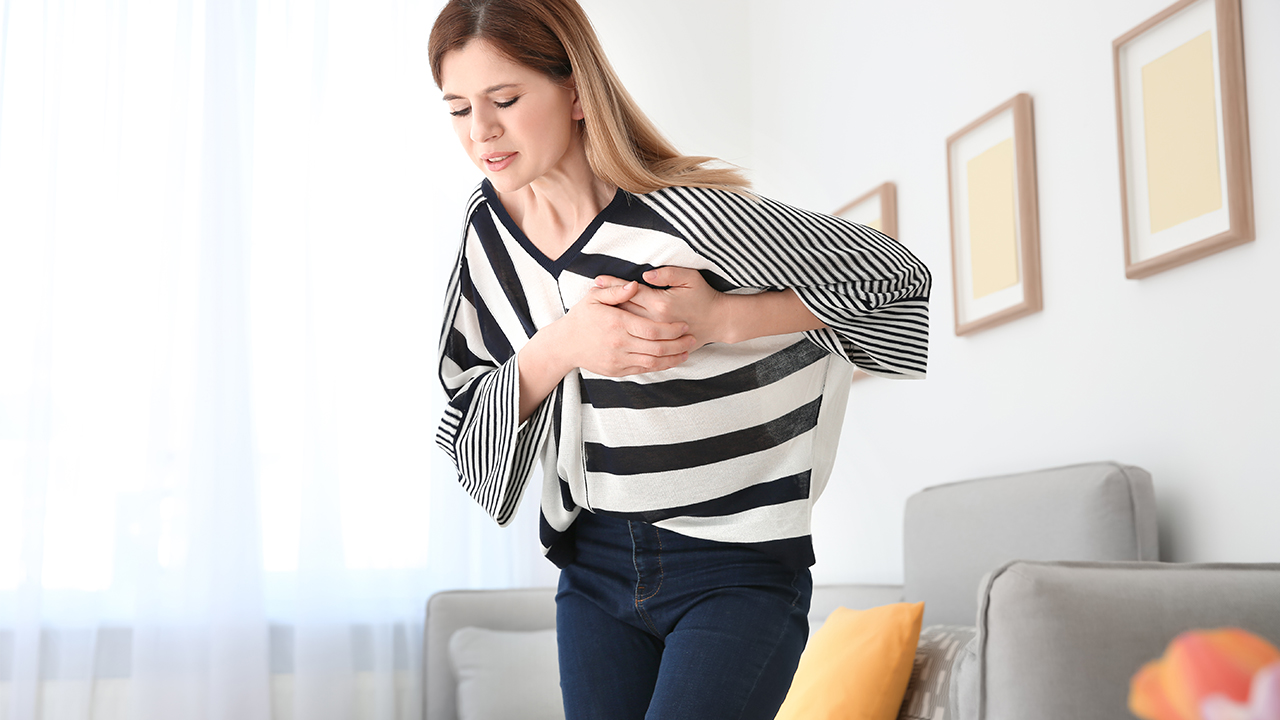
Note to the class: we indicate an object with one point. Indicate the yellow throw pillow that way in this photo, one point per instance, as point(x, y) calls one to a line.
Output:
point(857, 665)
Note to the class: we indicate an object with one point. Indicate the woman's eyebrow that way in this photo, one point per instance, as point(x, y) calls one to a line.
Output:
point(487, 91)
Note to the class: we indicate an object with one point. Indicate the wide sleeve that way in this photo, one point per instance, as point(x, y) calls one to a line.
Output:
point(481, 431)
point(869, 290)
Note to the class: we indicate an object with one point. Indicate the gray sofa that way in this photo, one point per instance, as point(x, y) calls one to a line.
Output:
point(1042, 599)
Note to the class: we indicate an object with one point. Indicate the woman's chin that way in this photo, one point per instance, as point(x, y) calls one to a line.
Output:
point(505, 183)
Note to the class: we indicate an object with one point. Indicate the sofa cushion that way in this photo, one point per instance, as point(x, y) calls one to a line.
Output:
point(857, 666)
point(504, 674)
point(1065, 639)
point(928, 693)
point(956, 533)
point(518, 609)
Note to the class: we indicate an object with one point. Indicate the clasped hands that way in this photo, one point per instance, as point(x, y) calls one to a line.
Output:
point(624, 328)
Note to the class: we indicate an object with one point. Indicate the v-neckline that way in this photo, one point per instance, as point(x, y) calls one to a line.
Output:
point(558, 264)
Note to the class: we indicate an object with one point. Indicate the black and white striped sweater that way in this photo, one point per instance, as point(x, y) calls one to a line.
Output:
point(736, 444)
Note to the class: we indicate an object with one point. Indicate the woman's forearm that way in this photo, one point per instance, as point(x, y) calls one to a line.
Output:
point(746, 317)
point(541, 370)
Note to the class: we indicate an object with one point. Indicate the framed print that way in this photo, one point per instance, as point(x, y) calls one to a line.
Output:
point(995, 235)
point(1181, 118)
point(877, 209)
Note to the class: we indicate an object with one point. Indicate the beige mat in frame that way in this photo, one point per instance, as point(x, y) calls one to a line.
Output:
point(1182, 125)
point(995, 228)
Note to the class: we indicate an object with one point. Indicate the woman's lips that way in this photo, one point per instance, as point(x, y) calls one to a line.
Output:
point(498, 161)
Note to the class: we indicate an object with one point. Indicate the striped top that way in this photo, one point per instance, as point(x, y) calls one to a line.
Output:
point(734, 445)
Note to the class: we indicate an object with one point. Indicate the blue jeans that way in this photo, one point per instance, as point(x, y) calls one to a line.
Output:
point(652, 624)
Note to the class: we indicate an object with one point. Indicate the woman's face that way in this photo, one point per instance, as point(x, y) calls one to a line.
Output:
point(515, 123)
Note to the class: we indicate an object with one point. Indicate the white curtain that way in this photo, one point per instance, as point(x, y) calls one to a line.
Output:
point(225, 227)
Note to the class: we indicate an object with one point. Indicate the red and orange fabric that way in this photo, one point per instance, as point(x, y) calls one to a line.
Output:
point(1196, 665)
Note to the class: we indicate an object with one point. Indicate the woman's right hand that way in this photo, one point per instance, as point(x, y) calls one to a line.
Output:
point(600, 337)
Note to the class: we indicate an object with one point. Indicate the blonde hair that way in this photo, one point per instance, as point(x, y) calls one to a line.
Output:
point(555, 38)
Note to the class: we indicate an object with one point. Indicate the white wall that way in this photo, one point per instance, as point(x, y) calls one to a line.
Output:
point(685, 62)
point(1176, 373)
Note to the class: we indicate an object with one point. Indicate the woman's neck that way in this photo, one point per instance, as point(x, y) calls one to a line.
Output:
point(554, 210)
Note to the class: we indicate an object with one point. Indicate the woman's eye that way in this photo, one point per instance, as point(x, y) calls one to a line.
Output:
point(508, 103)
point(462, 112)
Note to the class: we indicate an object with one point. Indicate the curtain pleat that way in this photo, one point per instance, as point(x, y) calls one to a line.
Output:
point(224, 232)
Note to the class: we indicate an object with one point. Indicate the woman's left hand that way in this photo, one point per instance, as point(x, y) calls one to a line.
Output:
point(685, 297)
point(713, 316)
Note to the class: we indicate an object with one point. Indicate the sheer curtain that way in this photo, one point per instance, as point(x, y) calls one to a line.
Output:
point(224, 232)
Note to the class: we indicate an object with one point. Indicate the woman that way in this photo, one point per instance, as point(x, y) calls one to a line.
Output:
point(674, 351)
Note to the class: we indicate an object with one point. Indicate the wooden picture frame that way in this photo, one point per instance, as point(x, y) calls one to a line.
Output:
point(1186, 189)
point(995, 227)
point(878, 210)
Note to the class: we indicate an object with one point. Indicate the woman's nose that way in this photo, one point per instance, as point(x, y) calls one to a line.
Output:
point(484, 127)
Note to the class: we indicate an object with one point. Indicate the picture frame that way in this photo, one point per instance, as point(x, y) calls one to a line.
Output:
point(1186, 187)
point(878, 210)
point(995, 227)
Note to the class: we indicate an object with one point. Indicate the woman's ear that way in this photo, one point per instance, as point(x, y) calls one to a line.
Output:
point(576, 113)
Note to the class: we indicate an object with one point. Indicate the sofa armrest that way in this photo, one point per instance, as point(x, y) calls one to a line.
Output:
point(522, 609)
point(1063, 639)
